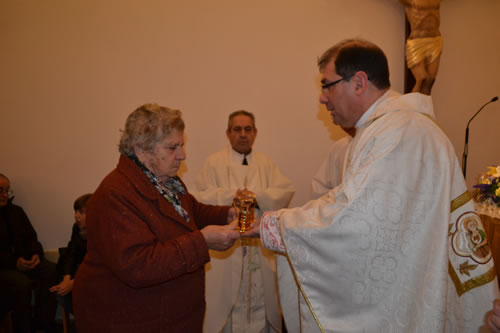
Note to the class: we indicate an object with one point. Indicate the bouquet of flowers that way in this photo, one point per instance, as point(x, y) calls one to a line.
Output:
point(489, 186)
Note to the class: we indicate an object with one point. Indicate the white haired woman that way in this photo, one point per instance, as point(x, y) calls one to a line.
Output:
point(148, 238)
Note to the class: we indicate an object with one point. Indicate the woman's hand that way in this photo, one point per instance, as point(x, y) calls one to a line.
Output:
point(64, 287)
point(221, 237)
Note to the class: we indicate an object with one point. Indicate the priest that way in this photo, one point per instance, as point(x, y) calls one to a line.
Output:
point(241, 284)
point(389, 249)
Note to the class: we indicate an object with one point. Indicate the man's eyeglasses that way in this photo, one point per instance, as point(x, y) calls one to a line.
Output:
point(326, 86)
point(6, 191)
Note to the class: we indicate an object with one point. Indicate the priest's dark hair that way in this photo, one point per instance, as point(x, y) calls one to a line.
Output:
point(353, 55)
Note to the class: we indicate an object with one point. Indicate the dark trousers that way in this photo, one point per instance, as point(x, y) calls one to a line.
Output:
point(18, 286)
point(66, 302)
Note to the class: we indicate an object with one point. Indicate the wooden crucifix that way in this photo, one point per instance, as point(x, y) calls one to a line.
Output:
point(424, 44)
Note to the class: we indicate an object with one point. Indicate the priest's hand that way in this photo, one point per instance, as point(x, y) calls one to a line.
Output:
point(254, 231)
point(220, 237)
point(494, 317)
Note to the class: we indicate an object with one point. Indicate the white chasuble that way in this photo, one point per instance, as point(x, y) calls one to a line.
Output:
point(397, 247)
point(241, 283)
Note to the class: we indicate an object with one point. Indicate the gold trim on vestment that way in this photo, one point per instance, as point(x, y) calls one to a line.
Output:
point(460, 201)
point(426, 49)
point(300, 287)
point(472, 283)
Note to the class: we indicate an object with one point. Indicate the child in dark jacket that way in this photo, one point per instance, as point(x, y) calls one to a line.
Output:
point(71, 257)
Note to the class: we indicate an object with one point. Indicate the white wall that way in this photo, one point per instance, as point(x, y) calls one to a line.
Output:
point(469, 76)
point(71, 71)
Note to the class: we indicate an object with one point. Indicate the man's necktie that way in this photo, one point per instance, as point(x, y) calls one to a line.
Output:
point(245, 162)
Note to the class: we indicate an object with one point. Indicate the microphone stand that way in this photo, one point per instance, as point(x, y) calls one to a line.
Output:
point(466, 145)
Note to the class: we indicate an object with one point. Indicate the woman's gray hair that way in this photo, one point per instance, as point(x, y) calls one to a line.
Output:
point(148, 125)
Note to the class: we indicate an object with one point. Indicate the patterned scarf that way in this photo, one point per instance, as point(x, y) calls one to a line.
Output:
point(168, 189)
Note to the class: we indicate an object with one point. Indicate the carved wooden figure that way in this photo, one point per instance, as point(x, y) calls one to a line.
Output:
point(424, 44)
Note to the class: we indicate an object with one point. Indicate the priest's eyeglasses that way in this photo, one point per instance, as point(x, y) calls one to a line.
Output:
point(325, 87)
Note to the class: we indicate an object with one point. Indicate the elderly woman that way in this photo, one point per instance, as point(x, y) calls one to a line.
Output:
point(147, 237)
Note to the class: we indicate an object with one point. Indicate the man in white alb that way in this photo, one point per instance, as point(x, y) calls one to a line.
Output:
point(329, 174)
point(241, 284)
point(394, 247)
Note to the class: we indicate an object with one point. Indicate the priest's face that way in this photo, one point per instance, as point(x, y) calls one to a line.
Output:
point(242, 134)
point(336, 94)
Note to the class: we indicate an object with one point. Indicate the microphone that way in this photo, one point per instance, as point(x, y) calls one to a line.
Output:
point(466, 146)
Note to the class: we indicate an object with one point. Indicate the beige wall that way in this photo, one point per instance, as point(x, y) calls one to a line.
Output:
point(71, 71)
point(469, 76)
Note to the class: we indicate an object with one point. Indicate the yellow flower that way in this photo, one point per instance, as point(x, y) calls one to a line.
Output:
point(494, 171)
point(497, 192)
point(486, 181)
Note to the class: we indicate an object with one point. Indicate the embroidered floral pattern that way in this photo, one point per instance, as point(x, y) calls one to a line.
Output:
point(270, 231)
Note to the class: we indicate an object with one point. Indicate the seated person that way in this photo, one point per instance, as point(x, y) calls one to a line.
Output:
point(72, 257)
point(23, 268)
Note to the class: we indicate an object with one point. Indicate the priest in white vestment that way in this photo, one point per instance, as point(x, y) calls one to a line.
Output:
point(241, 283)
point(391, 248)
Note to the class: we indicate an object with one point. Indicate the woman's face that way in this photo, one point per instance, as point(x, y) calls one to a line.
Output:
point(165, 159)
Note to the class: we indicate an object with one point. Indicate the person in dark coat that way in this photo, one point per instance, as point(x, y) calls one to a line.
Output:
point(23, 268)
point(72, 256)
point(147, 237)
